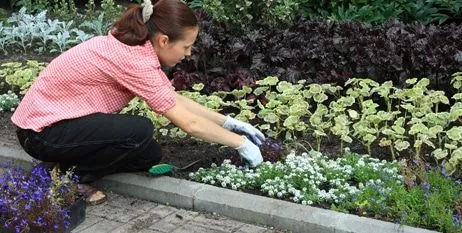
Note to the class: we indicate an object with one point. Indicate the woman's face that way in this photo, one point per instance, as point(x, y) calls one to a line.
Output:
point(172, 53)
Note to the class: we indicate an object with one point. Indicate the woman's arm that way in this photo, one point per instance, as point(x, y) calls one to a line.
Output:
point(200, 110)
point(202, 123)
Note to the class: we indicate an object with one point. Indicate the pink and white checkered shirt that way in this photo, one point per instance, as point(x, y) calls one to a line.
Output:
point(99, 75)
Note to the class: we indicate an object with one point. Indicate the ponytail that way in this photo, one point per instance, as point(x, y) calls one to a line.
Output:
point(141, 22)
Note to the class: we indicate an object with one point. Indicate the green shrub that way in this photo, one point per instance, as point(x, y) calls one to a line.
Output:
point(379, 11)
point(247, 14)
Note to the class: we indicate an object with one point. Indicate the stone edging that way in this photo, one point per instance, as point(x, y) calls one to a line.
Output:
point(237, 205)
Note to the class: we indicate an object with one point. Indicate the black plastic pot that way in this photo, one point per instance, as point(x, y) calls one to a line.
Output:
point(77, 213)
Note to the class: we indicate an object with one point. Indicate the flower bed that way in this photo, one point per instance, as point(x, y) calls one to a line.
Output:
point(353, 183)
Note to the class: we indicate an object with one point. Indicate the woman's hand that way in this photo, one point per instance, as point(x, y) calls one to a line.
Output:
point(240, 127)
point(250, 153)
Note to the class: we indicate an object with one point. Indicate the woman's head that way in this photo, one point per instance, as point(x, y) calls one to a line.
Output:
point(171, 26)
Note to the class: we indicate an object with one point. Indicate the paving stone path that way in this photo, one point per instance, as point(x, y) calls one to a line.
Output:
point(125, 214)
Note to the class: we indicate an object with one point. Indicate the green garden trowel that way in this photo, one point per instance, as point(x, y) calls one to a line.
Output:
point(163, 168)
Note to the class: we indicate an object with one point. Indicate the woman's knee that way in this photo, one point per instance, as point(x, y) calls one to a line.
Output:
point(142, 130)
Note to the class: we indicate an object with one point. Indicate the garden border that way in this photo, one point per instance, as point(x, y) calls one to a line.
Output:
point(241, 206)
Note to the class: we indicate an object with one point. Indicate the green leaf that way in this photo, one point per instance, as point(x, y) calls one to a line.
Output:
point(455, 133)
point(271, 118)
point(435, 130)
point(319, 133)
point(284, 86)
point(346, 138)
point(428, 142)
point(456, 157)
point(315, 89)
point(321, 97)
point(273, 103)
point(440, 153)
point(297, 109)
point(349, 81)
point(369, 138)
point(290, 121)
point(398, 129)
point(451, 146)
point(198, 86)
point(282, 110)
point(269, 81)
point(418, 128)
point(353, 114)
point(300, 126)
point(457, 96)
point(264, 126)
point(401, 145)
point(411, 81)
point(388, 132)
point(260, 90)
point(423, 82)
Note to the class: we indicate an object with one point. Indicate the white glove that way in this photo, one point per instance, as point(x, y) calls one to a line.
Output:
point(237, 126)
point(250, 152)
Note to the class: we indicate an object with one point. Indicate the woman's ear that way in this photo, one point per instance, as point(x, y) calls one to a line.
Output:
point(162, 40)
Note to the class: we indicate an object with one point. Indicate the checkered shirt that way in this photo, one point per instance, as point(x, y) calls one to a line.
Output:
point(99, 75)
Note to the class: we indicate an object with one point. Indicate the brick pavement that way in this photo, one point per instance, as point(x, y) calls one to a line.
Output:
point(125, 214)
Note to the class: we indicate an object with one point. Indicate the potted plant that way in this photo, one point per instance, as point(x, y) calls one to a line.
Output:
point(41, 200)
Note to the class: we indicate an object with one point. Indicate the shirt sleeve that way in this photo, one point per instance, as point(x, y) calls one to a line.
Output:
point(150, 84)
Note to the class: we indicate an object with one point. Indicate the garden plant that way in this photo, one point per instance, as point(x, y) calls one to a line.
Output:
point(38, 200)
point(361, 101)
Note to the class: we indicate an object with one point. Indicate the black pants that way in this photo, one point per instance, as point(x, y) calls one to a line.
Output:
point(97, 145)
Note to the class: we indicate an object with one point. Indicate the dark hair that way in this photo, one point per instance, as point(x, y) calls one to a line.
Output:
point(169, 17)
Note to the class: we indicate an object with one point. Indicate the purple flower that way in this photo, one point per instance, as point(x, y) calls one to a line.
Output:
point(456, 220)
point(443, 171)
point(38, 195)
point(39, 221)
point(426, 186)
point(415, 162)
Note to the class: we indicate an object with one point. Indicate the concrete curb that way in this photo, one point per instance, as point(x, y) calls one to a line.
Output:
point(237, 205)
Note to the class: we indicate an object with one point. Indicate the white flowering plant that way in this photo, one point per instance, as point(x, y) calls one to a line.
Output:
point(357, 184)
point(309, 178)
point(8, 102)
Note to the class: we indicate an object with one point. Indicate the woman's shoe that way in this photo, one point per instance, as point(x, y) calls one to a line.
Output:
point(92, 195)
